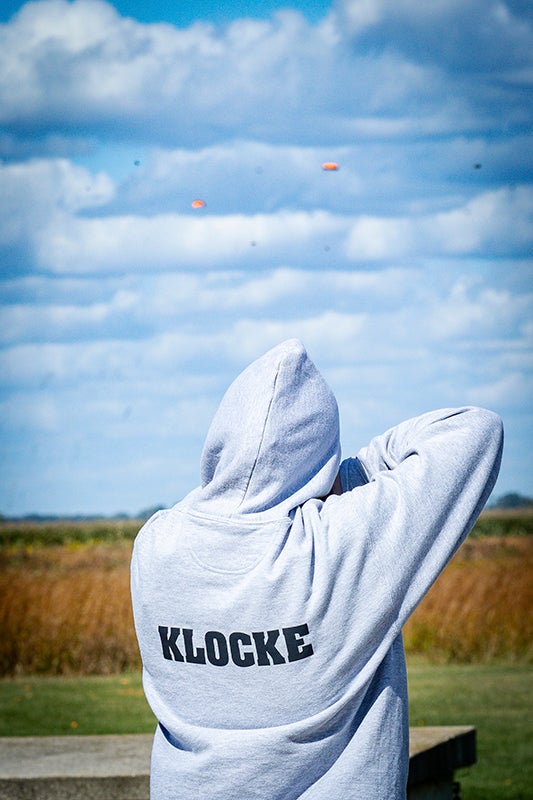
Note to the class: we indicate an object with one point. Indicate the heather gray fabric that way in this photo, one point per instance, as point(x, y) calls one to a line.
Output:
point(269, 620)
point(274, 441)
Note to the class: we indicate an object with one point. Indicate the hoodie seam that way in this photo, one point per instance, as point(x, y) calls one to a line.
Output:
point(231, 524)
point(259, 446)
point(218, 570)
point(251, 520)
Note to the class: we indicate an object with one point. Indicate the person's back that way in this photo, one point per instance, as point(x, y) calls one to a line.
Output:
point(269, 620)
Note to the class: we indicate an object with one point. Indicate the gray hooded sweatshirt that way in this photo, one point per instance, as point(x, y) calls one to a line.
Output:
point(269, 619)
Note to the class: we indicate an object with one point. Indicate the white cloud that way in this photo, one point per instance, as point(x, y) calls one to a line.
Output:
point(405, 272)
point(460, 33)
point(80, 63)
point(479, 315)
point(401, 345)
point(331, 312)
point(141, 308)
point(55, 55)
point(71, 66)
point(36, 412)
point(33, 193)
point(498, 223)
point(179, 241)
point(499, 220)
point(506, 392)
point(27, 321)
point(258, 176)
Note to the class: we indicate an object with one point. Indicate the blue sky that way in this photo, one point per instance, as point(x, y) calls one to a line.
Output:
point(183, 13)
point(126, 313)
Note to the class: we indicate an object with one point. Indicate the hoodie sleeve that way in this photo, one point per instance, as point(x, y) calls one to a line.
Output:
point(428, 480)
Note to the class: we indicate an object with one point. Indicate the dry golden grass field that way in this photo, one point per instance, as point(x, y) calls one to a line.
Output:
point(65, 608)
point(481, 608)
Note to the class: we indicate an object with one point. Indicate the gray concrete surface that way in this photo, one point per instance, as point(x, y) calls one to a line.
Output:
point(117, 767)
point(75, 768)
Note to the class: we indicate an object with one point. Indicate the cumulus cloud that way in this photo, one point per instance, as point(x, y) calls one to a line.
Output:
point(378, 314)
point(144, 307)
point(70, 66)
point(82, 64)
point(457, 34)
point(32, 194)
point(505, 392)
point(498, 223)
point(174, 241)
point(24, 322)
point(126, 313)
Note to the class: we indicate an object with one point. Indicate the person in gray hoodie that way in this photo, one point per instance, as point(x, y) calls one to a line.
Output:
point(269, 602)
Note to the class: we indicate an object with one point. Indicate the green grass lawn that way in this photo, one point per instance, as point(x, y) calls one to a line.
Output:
point(497, 699)
point(36, 706)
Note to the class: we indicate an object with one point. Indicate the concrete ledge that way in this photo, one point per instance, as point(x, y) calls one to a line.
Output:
point(434, 755)
point(117, 767)
point(75, 767)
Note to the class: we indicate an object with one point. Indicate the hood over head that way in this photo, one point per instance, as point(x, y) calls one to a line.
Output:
point(274, 440)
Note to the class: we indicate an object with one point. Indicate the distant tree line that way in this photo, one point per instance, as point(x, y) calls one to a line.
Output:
point(142, 515)
point(512, 500)
point(509, 500)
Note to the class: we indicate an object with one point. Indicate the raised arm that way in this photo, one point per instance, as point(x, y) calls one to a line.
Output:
point(428, 480)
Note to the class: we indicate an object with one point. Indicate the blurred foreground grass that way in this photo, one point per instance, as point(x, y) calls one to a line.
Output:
point(497, 699)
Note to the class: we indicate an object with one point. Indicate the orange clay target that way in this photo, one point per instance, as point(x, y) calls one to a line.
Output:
point(198, 203)
point(330, 166)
